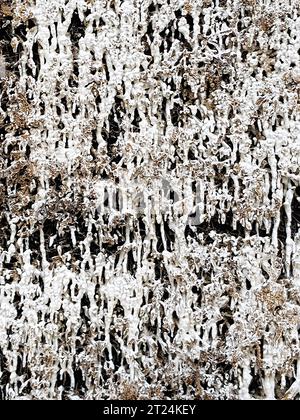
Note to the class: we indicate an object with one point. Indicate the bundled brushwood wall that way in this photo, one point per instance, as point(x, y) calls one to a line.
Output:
point(149, 199)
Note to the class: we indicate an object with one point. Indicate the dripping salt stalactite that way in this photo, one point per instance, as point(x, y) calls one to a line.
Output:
point(149, 238)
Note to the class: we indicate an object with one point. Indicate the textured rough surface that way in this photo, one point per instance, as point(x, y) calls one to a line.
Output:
point(149, 194)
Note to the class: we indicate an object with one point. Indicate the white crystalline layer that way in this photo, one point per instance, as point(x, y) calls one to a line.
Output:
point(149, 243)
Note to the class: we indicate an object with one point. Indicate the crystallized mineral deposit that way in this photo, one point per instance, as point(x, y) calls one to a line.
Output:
point(149, 194)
